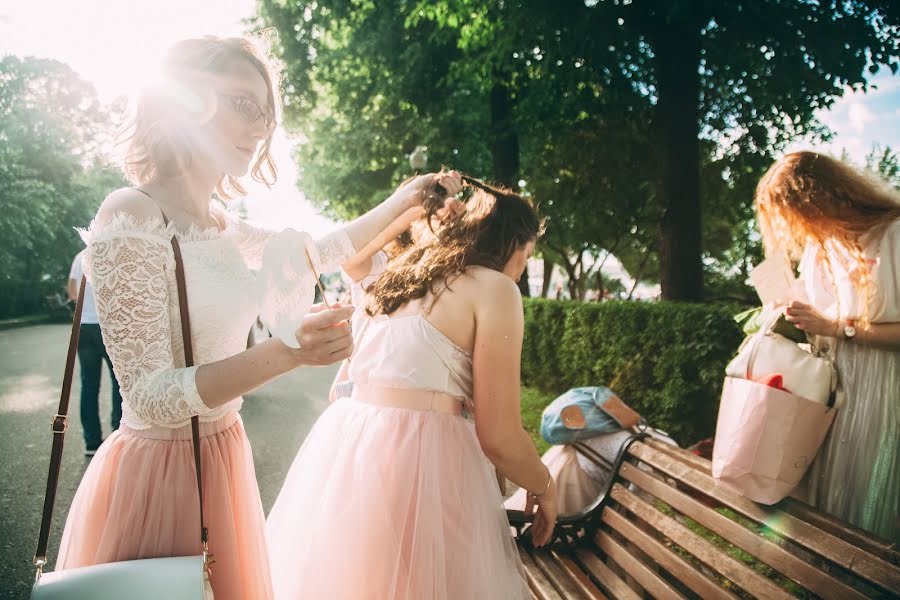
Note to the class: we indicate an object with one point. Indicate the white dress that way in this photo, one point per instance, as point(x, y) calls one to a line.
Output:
point(138, 497)
point(856, 475)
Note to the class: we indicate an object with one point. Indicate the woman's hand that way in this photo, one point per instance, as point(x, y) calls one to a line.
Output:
point(415, 190)
point(545, 517)
point(324, 336)
point(808, 319)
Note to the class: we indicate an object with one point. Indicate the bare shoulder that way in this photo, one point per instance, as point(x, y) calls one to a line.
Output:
point(493, 290)
point(127, 201)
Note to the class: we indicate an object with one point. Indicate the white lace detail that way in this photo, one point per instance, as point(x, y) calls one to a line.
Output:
point(131, 266)
point(333, 250)
point(129, 263)
point(127, 224)
point(250, 239)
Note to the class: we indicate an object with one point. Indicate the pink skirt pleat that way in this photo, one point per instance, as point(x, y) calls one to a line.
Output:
point(392, 504)
point(138, 499)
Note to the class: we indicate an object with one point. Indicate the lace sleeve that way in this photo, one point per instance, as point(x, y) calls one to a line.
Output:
point(129, 273)
point(333, 250)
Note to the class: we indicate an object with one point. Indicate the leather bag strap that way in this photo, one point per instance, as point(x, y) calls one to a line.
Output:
point(59, 425)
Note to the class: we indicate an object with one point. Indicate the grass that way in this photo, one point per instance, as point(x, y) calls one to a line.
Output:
point(533, 404)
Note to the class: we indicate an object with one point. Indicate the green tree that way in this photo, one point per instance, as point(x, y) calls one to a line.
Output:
point(52, 129)
point(885, 163)
point(748, 76)
point(629, 121)
point(368, 82)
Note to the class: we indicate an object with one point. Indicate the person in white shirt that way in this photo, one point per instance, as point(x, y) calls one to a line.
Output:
point(91, 356)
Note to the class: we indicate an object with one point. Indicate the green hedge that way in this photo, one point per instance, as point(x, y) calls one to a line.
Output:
point(666, 360)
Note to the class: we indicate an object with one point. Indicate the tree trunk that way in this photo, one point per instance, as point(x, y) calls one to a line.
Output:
point(505, 144)
point(640, 274)
point(676, 129)
point(548, 274)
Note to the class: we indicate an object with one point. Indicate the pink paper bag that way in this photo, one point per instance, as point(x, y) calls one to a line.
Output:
point(766, 439)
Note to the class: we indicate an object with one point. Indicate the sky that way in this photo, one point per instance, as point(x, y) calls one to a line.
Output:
point(114, 44)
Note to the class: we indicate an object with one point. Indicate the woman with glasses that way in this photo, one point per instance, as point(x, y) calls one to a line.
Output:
point(204, 127)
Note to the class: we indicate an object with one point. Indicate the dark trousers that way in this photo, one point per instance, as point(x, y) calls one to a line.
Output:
point(91, 355)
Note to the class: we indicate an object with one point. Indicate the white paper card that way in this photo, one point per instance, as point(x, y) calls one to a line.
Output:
point(774, 279)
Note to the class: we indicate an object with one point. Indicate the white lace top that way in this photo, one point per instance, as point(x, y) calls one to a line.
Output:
point(131, 266)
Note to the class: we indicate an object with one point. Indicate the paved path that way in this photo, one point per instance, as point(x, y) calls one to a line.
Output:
point(277, 418)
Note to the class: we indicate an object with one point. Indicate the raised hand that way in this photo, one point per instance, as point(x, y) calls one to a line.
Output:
point(324, 335)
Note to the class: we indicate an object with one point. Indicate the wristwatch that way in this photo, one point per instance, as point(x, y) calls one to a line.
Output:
point(850, 329)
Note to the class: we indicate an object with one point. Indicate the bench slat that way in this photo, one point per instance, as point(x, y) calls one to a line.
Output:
point(706, 552)
point(649, 580)
point(881, 548)
point(689, 458)
point(584, 580)
point(668, 560)
point(537, 581)
point(766, 551)
point(846, 555)
point(567, 585)
point(617, 588)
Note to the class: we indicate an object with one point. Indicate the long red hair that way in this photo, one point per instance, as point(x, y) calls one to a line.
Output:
point(806, 197)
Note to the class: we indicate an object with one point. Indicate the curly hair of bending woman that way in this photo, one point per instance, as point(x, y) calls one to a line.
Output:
point(806, 197)
point(494, 225)
point(163, 128)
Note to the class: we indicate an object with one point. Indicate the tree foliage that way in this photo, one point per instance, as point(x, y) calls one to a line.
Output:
point(52, 130)
point(640, 127)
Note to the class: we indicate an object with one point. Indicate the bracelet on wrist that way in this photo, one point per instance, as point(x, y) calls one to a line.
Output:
point(547, 487)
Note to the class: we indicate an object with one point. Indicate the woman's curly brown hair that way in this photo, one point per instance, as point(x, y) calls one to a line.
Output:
point(807, 197)
point(494, 225)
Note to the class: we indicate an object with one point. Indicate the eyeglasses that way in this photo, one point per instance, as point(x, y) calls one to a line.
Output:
point(248, 109)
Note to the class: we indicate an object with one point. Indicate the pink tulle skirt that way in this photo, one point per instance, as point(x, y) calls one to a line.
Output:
point(392, 503)
point(138, 499)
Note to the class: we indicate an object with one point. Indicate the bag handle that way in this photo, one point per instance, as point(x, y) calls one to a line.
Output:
point(765, 328)
point(189, 362)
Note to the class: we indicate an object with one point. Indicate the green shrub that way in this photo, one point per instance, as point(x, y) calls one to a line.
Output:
point(666, 360)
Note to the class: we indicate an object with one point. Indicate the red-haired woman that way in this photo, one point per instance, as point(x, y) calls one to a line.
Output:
point(844, 228)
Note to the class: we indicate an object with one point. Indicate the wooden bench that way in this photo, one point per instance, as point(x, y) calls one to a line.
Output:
point(664, 529)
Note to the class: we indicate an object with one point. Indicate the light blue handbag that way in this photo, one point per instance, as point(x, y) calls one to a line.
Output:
point(585, 412)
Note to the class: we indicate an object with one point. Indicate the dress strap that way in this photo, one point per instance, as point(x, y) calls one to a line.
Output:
point(434, 298)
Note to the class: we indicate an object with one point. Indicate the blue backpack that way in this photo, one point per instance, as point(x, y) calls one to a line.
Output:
point(585, 412)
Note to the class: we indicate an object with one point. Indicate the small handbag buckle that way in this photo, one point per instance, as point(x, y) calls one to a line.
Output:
point(60, 424)
point(39, 562)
